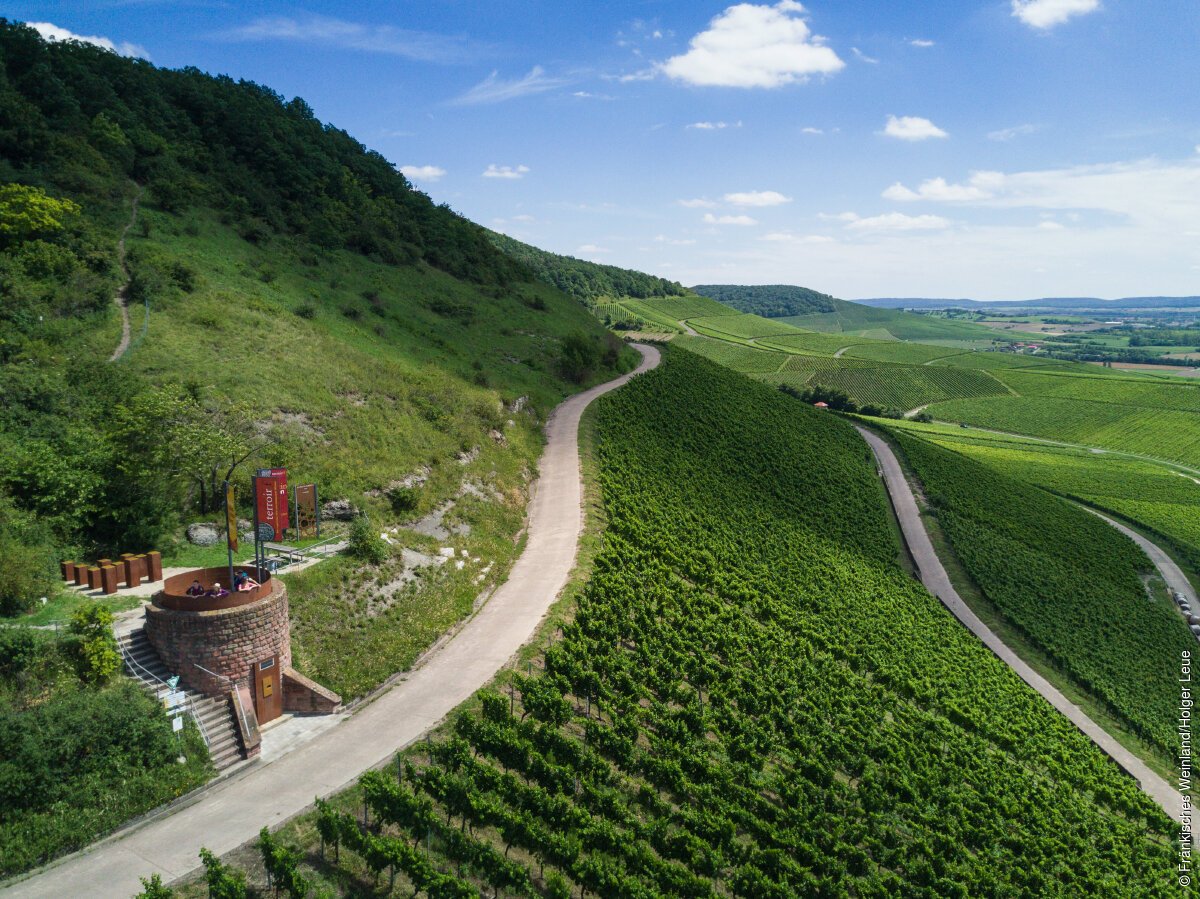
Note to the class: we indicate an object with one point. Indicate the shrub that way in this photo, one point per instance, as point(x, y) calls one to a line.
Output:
point(306, 310)
point(153, 888)
point(365, 542)
point(28, 571)
point(224, 882)
point(404, 499)
point(95, 648)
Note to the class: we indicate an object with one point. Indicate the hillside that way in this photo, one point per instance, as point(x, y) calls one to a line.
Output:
point(769, 301)
point(751, 700)
point(586, 281)
point(813, 311)
point(292, 301)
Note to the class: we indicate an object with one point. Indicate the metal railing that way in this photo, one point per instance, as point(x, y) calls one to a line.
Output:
point(237, 695)
point(161, 687)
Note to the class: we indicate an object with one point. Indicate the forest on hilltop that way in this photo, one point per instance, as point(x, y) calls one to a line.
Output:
point(770, 300)
point(586, 281)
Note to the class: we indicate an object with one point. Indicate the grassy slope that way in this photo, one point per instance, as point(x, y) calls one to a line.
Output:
point(357, 402)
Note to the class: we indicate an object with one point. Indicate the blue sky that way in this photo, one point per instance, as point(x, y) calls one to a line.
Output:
point(995, 149)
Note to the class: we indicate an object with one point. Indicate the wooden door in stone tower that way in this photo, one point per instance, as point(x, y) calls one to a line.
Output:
point(268, 690)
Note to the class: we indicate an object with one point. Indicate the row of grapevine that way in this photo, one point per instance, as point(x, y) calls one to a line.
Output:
point(1155, 497)
point(1158, 433)
point(743, 325)
point(1068, 581)
point(740, 358)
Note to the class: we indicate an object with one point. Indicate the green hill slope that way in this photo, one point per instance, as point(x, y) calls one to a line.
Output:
point(754, 700)
point(814, 311)
point(293, 301)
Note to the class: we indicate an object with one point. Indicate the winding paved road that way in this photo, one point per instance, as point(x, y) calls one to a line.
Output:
point(123, 290)
point(232, 812)
point(937, 582)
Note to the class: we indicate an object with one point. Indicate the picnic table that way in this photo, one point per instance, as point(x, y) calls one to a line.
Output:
point(292, 553)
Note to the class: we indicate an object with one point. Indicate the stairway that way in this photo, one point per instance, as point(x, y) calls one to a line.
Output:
point(214, 713)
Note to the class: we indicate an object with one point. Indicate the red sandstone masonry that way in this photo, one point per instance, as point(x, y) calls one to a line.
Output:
point(225, 641)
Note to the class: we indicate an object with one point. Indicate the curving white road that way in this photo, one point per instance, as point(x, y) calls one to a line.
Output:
point(937, 582)
point(232, 812)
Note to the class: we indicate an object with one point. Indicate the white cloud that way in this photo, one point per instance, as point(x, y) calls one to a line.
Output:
point(789, 237)
point(749, 45)
point(1050, 226)
point(316, 29)
point(512, 173)
point(811, 130)
point(938, 190)
point(1045, 14)
point(673, 242)
point(52, 32)
point(710, 219)
point(862, 57)
point(912, 128)
point(588, 95)
point(422, 172)
point(920, 42)
point(698, 203)
point(894, 221)
point(591, 249)
point(494, 89)
point(757, 198)
point(1007, 134)
point(1158, 200)
point(714, 126)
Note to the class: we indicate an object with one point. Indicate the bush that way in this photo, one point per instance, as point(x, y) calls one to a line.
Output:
point(154, 889)
point(365, 542)
point(28, 570)
point(404, 499)
point(95, 647)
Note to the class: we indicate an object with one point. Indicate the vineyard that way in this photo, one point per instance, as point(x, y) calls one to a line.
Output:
point(910, 353)
point(680, 308)
point(752, 700)
point(1159, 499)
point(1158, 433)
point(1124, 391)
point(888, 386)
point(740, 358)
point(810, 342)
point(1067, 580)
point(744, 326)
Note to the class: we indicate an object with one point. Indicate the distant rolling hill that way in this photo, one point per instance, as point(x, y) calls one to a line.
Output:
point(813, 311)
point(1058, 304)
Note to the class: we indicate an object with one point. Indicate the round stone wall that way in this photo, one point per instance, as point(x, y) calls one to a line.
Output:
point(225, 640)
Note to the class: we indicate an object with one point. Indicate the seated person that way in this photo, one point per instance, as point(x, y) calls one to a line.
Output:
point(217, 590)
point(197, 589)
point(242, 582)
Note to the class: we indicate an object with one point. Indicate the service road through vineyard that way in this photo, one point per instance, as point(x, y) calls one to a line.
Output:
point(933, 575)
point(233, 812)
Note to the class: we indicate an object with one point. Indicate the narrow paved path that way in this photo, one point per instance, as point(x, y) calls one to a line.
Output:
point(120, 298)
point(267, 794)
point(937, 582)
point(1171, 573)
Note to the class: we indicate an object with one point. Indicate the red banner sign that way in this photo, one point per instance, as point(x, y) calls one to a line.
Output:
point(266, 504)
point(281, 509)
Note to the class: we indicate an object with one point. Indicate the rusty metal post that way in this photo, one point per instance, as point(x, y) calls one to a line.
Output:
point(68, 570)
point(93, 578)
point(80, 575)
point(154, 566)
point(108, 579)
point(132, 575)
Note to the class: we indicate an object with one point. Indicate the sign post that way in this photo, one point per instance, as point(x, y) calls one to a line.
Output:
point(231, 534)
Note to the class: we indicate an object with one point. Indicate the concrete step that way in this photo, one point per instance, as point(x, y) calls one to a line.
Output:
point(214, 712)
